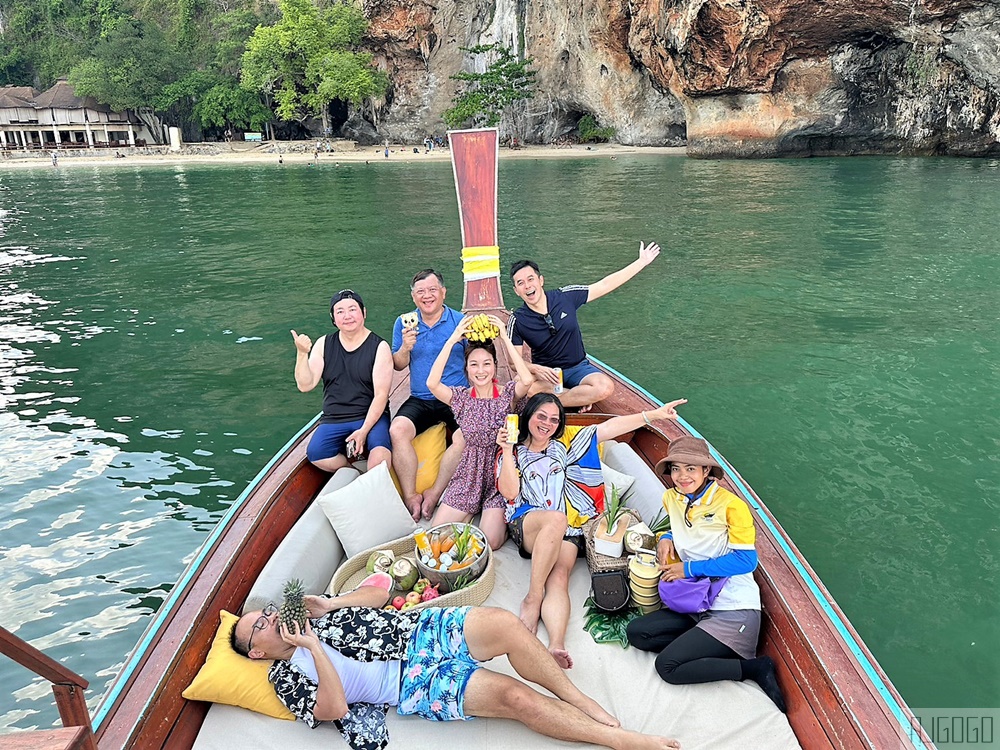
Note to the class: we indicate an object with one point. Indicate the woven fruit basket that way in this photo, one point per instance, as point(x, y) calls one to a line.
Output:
point(353, 571)
point(595, 560)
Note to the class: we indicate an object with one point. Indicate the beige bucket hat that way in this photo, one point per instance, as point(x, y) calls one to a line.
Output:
point(689, 450)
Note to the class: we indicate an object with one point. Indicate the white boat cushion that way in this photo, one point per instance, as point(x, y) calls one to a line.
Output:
point(714, 716)
point(366, 512)
point(309, 551)
point(647, 492)
point(613, 477)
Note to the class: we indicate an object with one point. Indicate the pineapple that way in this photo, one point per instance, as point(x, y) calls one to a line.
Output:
point(293, 608)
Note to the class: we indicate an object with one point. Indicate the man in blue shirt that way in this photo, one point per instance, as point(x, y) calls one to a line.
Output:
point(547, 323)
point(417, 346)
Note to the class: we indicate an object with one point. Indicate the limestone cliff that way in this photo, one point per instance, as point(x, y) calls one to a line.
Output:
point(728, 77)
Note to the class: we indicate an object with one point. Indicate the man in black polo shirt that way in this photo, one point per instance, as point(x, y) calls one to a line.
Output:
point(547, 323)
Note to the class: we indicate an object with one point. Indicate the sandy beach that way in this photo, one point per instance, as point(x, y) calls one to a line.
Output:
point(245, 153)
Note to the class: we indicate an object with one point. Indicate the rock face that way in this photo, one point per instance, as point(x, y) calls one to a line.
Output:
point(728, 77)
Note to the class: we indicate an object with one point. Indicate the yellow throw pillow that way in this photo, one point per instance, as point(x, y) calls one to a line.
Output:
point(430, 446)
point(571, 430)
point(227, 677)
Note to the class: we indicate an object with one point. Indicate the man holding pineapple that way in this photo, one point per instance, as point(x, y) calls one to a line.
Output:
point(354, 660)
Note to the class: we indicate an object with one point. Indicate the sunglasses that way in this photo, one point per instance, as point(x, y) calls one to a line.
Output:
point(548, 321)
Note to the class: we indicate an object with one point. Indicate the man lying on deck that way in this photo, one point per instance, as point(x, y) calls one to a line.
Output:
point(354, 661)
point(547, 323)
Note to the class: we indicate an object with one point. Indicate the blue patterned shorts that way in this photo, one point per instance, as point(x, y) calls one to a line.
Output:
point(437, 666)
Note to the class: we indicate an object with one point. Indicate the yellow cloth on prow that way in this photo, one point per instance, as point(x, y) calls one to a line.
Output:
point(480, 262)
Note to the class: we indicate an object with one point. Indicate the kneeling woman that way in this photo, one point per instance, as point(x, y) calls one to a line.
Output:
point(712, 535)
point(551, 491)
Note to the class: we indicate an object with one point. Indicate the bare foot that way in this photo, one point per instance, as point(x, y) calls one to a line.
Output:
point(585, 408)
point(428, 505)
point(413, 503)
point(636, 741)
point(563, 659)
point(531, 610)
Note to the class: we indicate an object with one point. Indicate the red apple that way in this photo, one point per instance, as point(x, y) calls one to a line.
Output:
point(414, 597)
point(398, 602)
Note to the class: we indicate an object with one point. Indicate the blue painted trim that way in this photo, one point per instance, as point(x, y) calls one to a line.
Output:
point(186, 578)
point(806, 576)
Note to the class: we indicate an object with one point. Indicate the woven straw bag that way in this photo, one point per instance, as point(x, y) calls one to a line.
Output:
point(354, 570)
point(595, 560)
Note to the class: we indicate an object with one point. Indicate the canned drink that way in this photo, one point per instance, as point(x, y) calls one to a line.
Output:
point(559, 386)
point(512, 428)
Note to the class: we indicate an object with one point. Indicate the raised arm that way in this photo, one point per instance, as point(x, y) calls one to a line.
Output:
point(524, 375)
point(442, 392)
point(308, 364)
point(647, 254)
point(364, 596)
point(403, 339)
point(508, 481)
point(616, 426)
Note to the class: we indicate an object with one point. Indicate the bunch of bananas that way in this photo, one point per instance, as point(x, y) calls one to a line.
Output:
point(480, 329)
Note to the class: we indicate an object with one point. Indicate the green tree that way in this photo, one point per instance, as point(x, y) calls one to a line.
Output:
point(226, 104)
point(309, 58)
point(589, 131)
point(177, 100)
point(496, 96)
point(128, 69)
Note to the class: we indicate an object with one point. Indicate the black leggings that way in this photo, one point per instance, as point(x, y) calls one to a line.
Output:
point(686, 654)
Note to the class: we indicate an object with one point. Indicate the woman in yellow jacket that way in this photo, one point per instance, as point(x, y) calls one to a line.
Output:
point(712, 536)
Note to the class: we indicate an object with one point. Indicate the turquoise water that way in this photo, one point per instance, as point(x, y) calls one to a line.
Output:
point(834, 324)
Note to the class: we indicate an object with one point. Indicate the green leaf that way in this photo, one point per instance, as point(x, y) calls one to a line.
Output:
point(607, 627)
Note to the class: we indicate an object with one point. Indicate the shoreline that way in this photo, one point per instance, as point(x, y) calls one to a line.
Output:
point(369, 154)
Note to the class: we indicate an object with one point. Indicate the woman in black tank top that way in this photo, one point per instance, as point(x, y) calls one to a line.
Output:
point(348, 385)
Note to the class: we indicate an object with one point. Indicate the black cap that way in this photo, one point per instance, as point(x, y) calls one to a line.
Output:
point(347, 294)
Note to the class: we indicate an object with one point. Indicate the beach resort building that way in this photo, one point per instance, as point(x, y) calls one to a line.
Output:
point(58, 119)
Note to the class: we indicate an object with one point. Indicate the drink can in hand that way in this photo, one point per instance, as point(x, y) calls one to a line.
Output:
point(512, 428)
point(559, 385)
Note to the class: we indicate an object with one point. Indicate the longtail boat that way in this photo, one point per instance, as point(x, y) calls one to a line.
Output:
point(837, 694)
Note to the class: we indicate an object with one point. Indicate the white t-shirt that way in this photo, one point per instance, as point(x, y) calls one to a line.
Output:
point(363, 681)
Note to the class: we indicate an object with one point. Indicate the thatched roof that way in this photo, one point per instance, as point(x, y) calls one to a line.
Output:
point(62, 96)
point(17, 96)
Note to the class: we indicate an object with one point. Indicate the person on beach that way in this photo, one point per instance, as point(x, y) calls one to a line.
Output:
point(355, 366)
point(355, 660)
point(416, 346)
point(547, 323)
point(712, 534)
point(480, 409)
point(552, 491)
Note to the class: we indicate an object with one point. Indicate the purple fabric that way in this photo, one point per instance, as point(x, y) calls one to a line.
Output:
point(690, 595)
